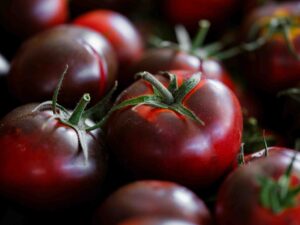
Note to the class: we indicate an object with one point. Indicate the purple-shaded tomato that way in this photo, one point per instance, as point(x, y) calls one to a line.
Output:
point(47, 164)
point(152, 198)
point(27, 17)
point(264, 192)
point(39, 63)
point(118, 30)
point(160, 140)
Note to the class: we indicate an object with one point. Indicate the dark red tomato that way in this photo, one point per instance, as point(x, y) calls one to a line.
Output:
point(42, 164)
point(189, 12)
point(175, 147)
point(240, 197)
point(273, 67)
point(39, 63)
point(27, 17)
point(152, 199)
point(119, 31)
point(166, 59)
point(155, 221)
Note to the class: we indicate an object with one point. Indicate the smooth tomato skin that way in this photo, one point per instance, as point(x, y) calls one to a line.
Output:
point(152, 198)
point(42, 164)
point(238, 199)
point(189, 12)
point(273, 68)
point(155, 221)
point(174, 147)
point(166, 59)
point(28, 17)
point(118, 30)
point(41, 60)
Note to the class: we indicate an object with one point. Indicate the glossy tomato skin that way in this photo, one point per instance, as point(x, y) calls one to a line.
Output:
point(165, 59)
point(238, 200)
point(41, 60)
point(42, 163)
point(155, 221)
point(118, 30)
point(189, 12)
point(158, 143)
point(152, 198)
point(27, 17)
point(273, 68)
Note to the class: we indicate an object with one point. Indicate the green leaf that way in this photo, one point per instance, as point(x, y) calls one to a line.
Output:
point(186, 87)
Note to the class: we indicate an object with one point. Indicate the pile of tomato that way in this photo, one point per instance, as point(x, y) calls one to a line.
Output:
point(144, 112)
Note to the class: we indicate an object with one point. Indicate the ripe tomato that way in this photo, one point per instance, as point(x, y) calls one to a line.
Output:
point(152, 199)
point(274, 66)
point(166, 59)
point(118, 30)
point(46, 164)
point(27, 17)
point(175, 147)
point(37, 66)
point(250, 194)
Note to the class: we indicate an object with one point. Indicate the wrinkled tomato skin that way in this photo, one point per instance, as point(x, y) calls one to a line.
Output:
point(41, 60)
point(155, 221)
point(238, 199)
point(27, 17)
point(42, 165)
point(118, 30)
point(189, 12)
point(158, 143)
point(166, 59)
point(152, 198)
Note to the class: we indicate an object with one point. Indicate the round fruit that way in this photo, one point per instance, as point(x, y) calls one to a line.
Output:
point(37, 67)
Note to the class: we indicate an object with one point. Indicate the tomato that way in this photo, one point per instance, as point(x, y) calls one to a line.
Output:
point(38, 64)
point(155, 221)
point(119, 31)
point(46, 163)
point(177, 146)
point(245, 196)
point(27, 17)
point(189, 12)
point(165, 59)
point(152, 199)
point(274, 66)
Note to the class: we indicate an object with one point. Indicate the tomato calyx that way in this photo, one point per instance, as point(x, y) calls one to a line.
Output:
point(194, 47)
point(282, 25)
point(277, 195)
point(165, 98)
point(77, 119)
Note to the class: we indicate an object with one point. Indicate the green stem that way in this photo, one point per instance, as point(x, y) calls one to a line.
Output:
point(79, 110)
point(204, 26)
point(167, 96)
